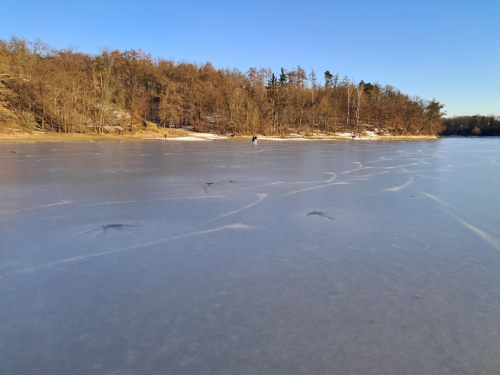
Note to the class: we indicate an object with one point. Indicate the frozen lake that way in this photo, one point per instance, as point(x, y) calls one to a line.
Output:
point(232, 258)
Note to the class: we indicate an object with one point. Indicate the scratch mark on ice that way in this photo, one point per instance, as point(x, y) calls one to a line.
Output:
point(374, 174)
point(398, 188)
point(148, 200)
point(375, 161)
point(317, 187)
point(422, 176)
point(261, 197)
point(357, 169)
point(491, 240)
point(316, 182)
point(255, 187)
point(135, 247)
point(439, 200)
point(36, 208)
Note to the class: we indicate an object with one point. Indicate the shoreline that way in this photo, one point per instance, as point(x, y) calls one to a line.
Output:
point(189, 136)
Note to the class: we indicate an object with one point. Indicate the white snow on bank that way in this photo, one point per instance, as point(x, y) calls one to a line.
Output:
point(283, 139)
point(193, 136)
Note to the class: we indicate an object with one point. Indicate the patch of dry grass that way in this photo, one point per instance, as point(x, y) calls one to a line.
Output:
point(35, 137)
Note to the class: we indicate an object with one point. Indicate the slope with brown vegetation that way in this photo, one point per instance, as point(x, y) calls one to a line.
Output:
point(9, 122)
point(65, 91)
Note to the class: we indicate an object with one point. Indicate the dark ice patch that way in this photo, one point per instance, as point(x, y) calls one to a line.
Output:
point(114, 227)
point(320, 214)
point(207, 184)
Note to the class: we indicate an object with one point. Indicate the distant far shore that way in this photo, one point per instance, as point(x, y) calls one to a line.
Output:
point(43, 137)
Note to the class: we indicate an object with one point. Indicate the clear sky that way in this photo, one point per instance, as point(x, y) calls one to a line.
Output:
point(447, 50)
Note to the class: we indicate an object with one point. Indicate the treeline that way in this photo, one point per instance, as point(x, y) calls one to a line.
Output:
point(68, 91)
point(472, 125)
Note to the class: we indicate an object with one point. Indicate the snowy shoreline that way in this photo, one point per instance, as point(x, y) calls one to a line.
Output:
point(191, 136)
point(294, 137)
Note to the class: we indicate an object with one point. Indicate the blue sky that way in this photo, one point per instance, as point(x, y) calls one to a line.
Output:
point(447, 50)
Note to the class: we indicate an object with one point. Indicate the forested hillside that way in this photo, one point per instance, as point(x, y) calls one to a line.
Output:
point(472, 125)
point(65, 90)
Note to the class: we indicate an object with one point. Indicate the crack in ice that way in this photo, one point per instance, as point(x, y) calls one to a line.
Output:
point(262, 196)
point(317, 187)
point(398, 188)
point(83, 257)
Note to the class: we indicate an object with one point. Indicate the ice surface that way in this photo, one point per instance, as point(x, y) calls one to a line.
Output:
point(234, 258)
